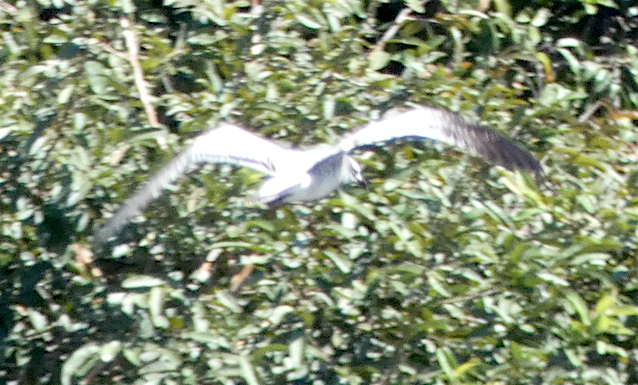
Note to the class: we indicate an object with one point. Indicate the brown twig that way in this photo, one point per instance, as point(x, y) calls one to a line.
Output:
point(9, 8)
point(389, 34)
point(589, 112)
point(138, 75)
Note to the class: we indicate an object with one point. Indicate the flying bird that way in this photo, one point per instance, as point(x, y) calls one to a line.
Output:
point(308, 174)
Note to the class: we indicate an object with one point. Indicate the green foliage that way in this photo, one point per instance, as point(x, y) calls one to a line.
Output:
point(443, 271)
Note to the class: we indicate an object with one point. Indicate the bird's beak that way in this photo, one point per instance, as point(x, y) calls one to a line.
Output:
point(362, 182)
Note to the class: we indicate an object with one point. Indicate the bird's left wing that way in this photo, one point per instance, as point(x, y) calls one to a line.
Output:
point(225, 144)
point(449, 128)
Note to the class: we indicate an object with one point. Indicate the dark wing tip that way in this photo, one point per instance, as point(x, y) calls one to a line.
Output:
point(492, 146)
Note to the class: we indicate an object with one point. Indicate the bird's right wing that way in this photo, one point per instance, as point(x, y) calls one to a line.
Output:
point(447, 127)
point(225, 144)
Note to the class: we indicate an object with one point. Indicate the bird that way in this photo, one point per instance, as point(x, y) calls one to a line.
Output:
point(298, 175)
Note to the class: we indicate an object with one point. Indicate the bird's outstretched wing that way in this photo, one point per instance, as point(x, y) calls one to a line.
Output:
point(225, 144)
point(449, 128)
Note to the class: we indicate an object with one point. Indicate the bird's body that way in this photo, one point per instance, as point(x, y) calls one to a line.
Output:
point(302, 175)
point(310, 180)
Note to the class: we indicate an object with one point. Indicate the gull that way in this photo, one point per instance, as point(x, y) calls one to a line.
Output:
point(309, 174)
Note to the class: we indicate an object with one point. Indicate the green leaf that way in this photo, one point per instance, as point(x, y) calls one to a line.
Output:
point(379, 59)
point(79, 363)
point(142, 281)
point(342, 262)
point(579, 306)
point(38, 320)
point(110, 350)
point(248, 373)
point(416, 5)
point(96, 76)
point(308, 22)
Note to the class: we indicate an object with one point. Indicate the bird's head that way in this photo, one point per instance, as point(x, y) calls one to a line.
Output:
point(353, 174)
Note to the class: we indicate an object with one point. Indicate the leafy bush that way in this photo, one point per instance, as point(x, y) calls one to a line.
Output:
point(444, 271)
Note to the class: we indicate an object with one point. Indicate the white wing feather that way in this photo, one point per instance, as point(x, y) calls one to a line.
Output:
point(225, 144)
point(449, 128)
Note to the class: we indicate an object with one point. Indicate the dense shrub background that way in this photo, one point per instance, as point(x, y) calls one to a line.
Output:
point(444, 270)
